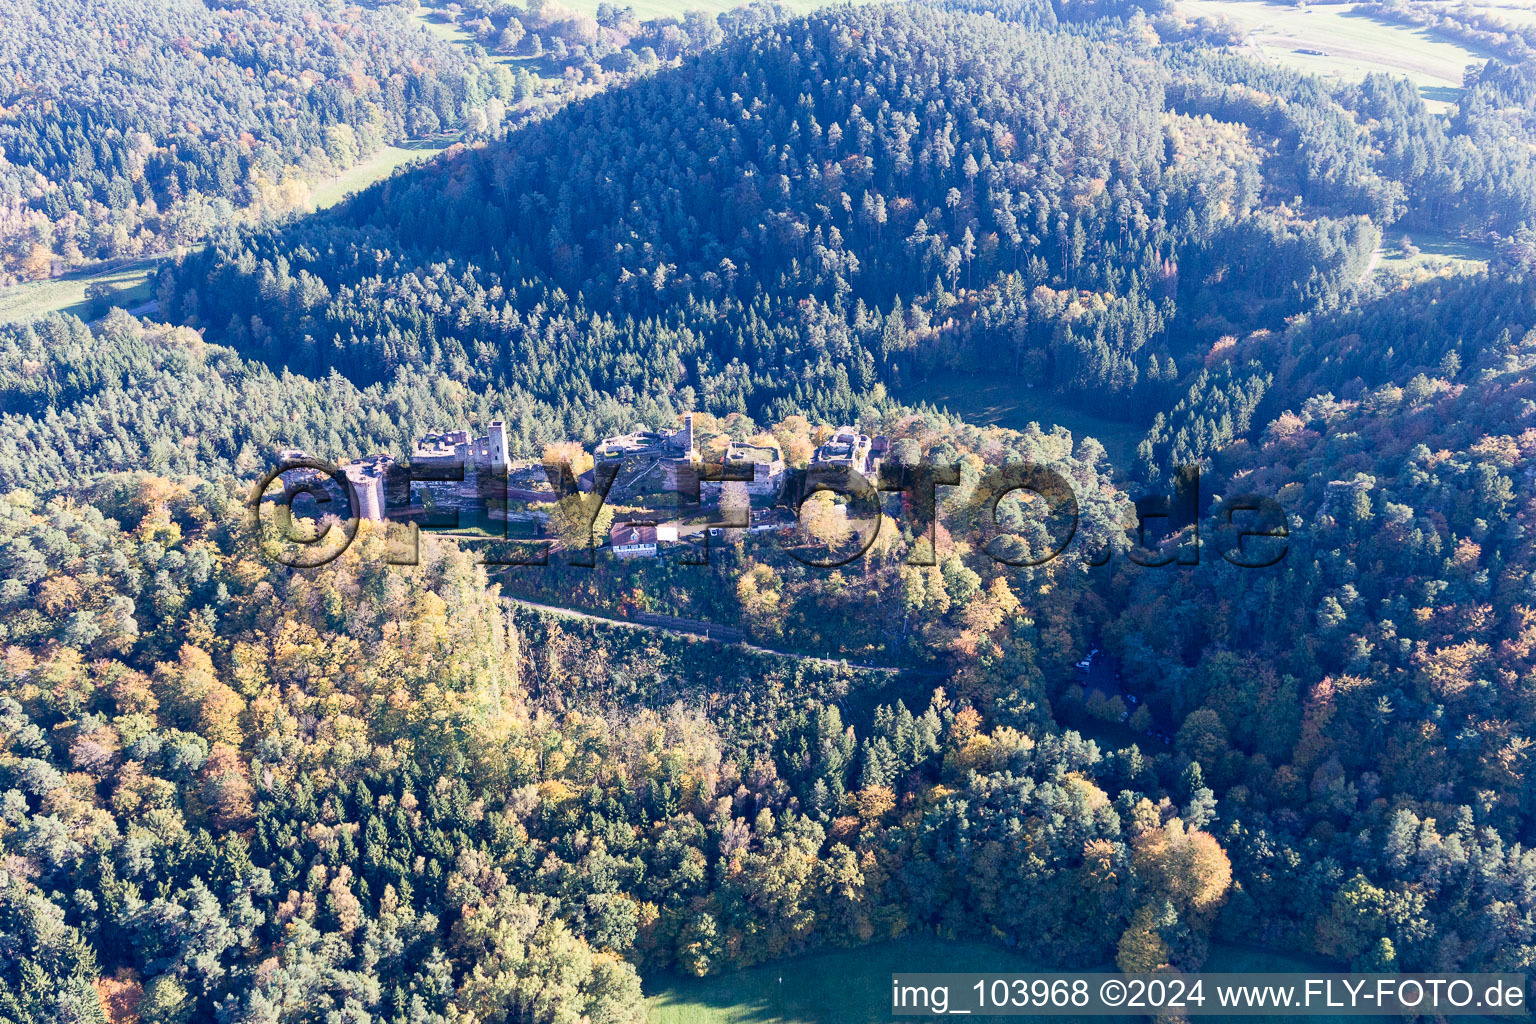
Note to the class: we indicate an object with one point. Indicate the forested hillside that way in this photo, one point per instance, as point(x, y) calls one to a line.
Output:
point(80, 404)
point(1369, 710)
point(373, 791)
point(288, 793)
point(788, 221)
point(126, 130)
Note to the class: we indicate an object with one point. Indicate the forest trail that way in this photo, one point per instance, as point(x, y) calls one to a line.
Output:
point(1370, 266)
point(772, 651)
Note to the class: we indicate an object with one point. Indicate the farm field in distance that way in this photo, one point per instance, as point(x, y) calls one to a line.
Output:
point(1348, 45)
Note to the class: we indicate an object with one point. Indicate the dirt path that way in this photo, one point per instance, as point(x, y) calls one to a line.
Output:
point(572, 613)
point(1370, 267)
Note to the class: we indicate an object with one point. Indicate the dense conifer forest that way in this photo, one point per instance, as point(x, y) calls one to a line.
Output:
point(125, 134)
point(373, 791)
point(796, 217)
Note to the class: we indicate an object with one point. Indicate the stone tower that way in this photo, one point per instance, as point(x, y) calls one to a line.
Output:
point(498, 446)
point(686, 439)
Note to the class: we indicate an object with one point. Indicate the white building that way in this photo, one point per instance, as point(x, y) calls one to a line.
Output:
point(635, 540)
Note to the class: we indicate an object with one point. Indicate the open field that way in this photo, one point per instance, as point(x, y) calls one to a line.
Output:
point(844, 986)
point(1008, 402)
point(852, 986)
point(438, 22)
point(66, 294)
point(1346, 45)
point(1437, 254)
point(441, 25)
point(376, 168)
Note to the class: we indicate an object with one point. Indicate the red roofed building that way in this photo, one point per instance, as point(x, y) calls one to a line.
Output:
point(633, 540)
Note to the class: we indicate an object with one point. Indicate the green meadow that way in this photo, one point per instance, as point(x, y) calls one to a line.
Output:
point(131, 282)
point(376, 168)
point(1428, 254)
point(853, 986)
point(843, 986)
